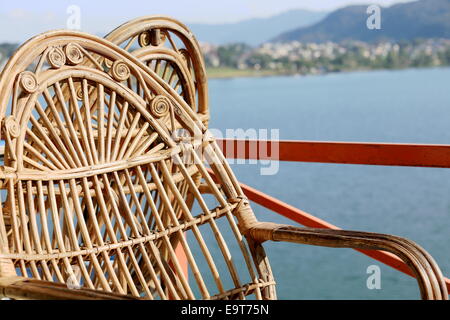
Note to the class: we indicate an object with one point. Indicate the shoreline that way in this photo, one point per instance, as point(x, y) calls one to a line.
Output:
point(215, 74)
point(235, 73)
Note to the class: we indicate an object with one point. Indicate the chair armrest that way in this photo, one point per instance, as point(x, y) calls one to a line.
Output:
point(426, 271)
point(32, 289)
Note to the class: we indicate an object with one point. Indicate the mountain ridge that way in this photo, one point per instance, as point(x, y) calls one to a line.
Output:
point(403, 21)
point(257, 30)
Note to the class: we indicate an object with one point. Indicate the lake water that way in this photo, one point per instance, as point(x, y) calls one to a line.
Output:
point(411, 106)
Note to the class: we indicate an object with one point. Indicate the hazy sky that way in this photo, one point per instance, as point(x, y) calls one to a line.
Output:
point(21, 19)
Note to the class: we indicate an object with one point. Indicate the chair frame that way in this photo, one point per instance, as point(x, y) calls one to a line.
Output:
point(164, 105)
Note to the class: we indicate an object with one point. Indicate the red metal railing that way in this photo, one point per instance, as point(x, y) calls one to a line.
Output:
point(384, 154)
point(414, 155)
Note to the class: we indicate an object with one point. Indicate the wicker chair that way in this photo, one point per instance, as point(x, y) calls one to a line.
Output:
point(115, 189)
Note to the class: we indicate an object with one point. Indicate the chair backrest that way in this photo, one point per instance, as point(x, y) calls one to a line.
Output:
point(170, 49)
point(105, 181)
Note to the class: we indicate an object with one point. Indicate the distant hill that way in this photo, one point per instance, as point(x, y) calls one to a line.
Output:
point(255, 31)
point(406, 21)
point(6, 50)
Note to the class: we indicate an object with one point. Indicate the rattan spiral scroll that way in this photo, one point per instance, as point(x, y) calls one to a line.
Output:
point(74, 54)
point(120, 71)
point(160, 106)
point(28, 82)
point(56, 58)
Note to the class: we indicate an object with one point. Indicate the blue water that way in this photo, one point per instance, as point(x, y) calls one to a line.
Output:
point(386, 106)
